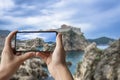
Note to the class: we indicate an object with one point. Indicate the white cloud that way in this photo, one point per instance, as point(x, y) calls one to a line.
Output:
point(25, 36)
point(5, 5)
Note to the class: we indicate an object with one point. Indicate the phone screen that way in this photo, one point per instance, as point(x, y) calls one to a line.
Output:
point(43, 41)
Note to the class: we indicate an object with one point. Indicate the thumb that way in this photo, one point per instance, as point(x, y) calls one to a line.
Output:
point(59, 49)
point(26, 56)
point(59, 41)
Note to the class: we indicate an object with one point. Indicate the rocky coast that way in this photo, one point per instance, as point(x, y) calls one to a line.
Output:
point(100, 65)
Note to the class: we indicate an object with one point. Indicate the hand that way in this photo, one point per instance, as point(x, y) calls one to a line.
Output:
point(9, 61)
point(56, 61)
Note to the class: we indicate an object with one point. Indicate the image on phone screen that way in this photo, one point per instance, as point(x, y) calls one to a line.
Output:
point(43, 41)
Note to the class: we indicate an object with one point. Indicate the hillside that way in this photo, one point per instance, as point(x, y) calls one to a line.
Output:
point(73, 38)
point(101, 40)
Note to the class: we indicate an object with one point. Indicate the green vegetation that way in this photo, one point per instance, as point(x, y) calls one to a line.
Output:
point(99, 50)
point(72, 33)
point(80, 62)
point(97, 58)
point(82, 36)
point(72, 36)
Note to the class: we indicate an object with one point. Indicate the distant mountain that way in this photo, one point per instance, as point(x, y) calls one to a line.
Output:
point(102, 40)
point(4, 32)
point(50, 42)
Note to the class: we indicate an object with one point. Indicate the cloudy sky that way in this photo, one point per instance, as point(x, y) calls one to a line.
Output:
point(96, 18)
point(49, 36)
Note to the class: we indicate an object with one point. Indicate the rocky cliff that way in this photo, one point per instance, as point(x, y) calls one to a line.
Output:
point(29, 44)
point(100, 65)
point(73, 38)
point(31, 69)
point(34, 44)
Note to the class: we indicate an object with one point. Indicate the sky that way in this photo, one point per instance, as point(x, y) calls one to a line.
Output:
point(49, 36)
point(96, 18)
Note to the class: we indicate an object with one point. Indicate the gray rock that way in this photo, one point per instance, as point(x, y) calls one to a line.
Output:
point(100, 65)
point(31, 70)
point(73, 38)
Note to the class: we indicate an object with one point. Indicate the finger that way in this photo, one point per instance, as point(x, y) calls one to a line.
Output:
point(59, 41)
point(26, 56)
point(9, 38)
point(14, 51)
point(18, 54)
point(59, 49)
point(43, 56)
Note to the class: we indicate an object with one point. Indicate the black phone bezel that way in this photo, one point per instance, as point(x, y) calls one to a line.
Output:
point(33, 32)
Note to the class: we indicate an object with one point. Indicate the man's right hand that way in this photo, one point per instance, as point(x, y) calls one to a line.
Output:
point(56, 61)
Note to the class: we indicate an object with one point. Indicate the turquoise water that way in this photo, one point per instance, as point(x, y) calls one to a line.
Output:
point(39, 48)
point(74, 57)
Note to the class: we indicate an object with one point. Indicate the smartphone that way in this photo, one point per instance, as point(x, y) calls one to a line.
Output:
point(38, 41)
